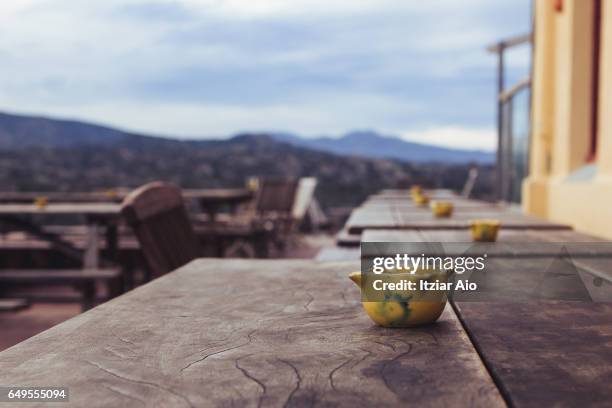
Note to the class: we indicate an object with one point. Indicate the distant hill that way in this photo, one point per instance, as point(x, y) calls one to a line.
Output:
point(19, 131)
point(373, 145)
point(41, 154)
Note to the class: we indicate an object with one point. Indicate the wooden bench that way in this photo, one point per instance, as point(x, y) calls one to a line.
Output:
point(85, 279)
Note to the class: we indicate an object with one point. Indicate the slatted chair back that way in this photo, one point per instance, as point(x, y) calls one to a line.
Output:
point(470, 183)
point(275, 196)
point(157, 214)
point(304, 195)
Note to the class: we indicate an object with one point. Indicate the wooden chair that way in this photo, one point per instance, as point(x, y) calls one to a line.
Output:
point(469, 183)
point(278, 207)
point(285, 202)
point(275, 197)
point(304, 196)
point(157, 214)
point(249, 233)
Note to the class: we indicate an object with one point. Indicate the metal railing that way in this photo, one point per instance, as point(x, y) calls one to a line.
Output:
point(513, 125)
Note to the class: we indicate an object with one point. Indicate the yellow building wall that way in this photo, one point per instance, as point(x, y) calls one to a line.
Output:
point(561, 117)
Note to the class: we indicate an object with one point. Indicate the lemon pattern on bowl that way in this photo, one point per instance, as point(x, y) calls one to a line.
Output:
point(398, 310)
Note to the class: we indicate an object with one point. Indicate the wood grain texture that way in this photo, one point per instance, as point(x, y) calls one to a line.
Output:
point(546, 354)
point(406, 201)
point(438, 193)
point(117, 195)
point(506, 235)
point(516, 279)
point(42, 276)
point(250, 333)
point(362, 219)
point(513, 242)
point(94, 209)
point(409, 207)
point(22, 197)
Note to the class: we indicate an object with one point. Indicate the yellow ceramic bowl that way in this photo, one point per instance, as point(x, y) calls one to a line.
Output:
point(484, 230)
point(441, 209)
point(41, 202)
point(416, 189)
point(410, 308)
point(420, 199)
point(252, 184)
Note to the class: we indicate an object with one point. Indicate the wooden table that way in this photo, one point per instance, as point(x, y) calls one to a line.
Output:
point(533, 242)
point(251, 333)
point(406, 206)
point(540, 353)
point(210, 199)
point(440, 193)
point(362, 219)
point(27, 197)
point(544, 354)
point(292, 333)
point(23, 216)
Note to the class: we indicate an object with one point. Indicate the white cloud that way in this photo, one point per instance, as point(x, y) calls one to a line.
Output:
point(257, 9)
point(455, 136)
point(309, 66)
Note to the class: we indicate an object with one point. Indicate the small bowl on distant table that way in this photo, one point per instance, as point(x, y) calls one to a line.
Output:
point(441, 209)
point(41, 202)
point(484, 230)
point(420, 200)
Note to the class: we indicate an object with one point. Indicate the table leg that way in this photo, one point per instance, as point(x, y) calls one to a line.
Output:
point(91, 259)
point(111, 238)
point(212, 213)
point(88, 293)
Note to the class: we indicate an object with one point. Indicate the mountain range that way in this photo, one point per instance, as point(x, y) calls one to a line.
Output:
point(42, 154)
point(374, 145)
point(21, 131)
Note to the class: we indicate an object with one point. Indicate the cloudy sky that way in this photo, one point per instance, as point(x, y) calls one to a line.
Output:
point(211, 68)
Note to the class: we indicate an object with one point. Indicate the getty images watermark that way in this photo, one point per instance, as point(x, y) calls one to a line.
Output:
point(487, 272)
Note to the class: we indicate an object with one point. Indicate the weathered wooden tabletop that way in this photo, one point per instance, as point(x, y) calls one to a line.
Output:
point(378, 206)
point(61, 196)
point(362, 219)
point(406, 199)
point(97, 209)
point(510, 242)
point(251, 333)
point(438, 193)
point(117, 195)
point(545, 354)
point(539, 352)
